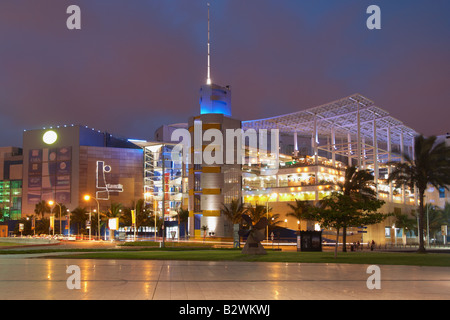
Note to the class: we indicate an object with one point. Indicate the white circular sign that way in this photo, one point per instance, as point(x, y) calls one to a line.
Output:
point(50, 137)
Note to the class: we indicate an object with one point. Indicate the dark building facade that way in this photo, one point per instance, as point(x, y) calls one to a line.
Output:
point(63, 164)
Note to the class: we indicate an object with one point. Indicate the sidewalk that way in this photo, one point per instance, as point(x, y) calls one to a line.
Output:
point(199, 280)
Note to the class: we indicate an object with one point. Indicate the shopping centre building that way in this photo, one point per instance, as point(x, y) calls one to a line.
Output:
point(305, 161)
point(315, 146)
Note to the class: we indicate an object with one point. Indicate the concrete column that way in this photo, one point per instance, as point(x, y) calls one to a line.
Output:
point(316, 142)
point(316, 157)
point(413, 157)
point(295, 141)
point(349, 139)
point(363, 155)
point(333, 147)
point(389, 149)
point(402, 151)
point(358, 142)
point(375, 156)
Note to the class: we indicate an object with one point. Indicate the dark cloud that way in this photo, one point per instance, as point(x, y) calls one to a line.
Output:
point(138, 64)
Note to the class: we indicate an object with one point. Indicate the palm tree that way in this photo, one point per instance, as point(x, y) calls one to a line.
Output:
point(79, 217)
point(273, 221)
point(429, 165)
point(360, 181)
point(234, 212)
point(95, 219)
point(435, 219)
point(182, 217)
point(257, 212)
point(159, 222)
point(41, 208)
point(404, 222)
point(301, 210)
point(59, 212)
point(357, 184)
point(142, 211)
point(114, 211)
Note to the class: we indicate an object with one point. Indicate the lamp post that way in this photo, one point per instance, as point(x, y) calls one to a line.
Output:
point(87, 198)
point(267, 216)
point(68, 214)
point(51, 203)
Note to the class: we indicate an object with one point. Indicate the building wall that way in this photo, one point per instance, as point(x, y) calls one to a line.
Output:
point(212, 185)
point(65, 170)
point(50, 170)
point(112, 175)
point(377, 232)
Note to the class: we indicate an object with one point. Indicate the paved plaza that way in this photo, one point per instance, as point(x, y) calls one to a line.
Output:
point(23, 277)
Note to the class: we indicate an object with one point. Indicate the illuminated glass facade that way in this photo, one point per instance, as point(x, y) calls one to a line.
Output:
point(164, 179)
point(11, 199)
point(11, 160)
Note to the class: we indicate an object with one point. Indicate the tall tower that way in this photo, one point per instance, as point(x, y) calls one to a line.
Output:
point(214, 98)
point(212, 185)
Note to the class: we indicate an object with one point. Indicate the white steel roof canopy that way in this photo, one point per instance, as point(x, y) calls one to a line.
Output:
point(341, 116)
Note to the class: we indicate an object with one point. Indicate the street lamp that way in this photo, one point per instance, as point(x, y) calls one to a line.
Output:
point(87, 198)
point(68, 214)
point(51, 203)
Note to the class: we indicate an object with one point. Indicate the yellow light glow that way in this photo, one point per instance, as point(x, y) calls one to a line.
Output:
point(51, 202)
point(87, 197)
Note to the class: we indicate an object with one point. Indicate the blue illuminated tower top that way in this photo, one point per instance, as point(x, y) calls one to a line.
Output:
point(214, 98)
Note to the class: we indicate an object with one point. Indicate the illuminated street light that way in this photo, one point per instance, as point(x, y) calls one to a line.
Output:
point(87, 198)
point(51, 203)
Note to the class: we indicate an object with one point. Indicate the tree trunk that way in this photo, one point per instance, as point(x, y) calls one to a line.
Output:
point(344, 239)
point(236, 237)
point(421, 219)
point(337, 243)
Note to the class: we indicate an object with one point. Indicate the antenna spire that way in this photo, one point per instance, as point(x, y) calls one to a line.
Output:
point(208, 79)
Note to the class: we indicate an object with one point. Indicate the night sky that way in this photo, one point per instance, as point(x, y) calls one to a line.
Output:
point(138, 64)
